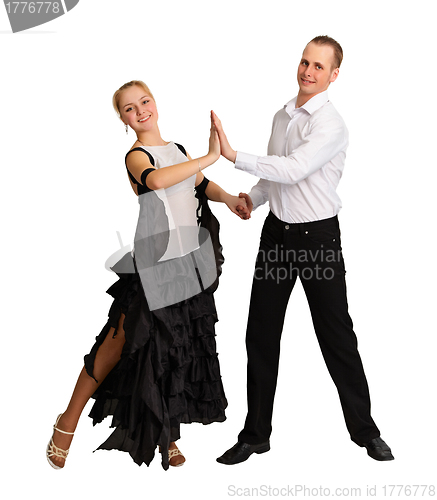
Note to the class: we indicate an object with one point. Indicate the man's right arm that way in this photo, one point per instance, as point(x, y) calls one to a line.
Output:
point(259, 194)
point(326, 139)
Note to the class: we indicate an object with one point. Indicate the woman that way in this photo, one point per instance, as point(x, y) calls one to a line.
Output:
point(154, 364)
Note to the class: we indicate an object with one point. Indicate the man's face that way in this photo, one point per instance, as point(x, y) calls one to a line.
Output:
point(316, 71)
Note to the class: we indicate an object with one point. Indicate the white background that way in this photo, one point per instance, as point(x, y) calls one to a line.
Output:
point(65, 193)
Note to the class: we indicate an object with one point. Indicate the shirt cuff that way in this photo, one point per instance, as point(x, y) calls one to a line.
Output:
point(257, 198)
point(246, 162)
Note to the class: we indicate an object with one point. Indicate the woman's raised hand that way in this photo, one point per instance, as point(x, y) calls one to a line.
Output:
point(225, 147)
point(214, 143)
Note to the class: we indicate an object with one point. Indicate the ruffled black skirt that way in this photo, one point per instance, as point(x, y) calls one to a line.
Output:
point(168, 373)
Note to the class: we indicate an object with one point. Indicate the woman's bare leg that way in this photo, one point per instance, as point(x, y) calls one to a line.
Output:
point(107, 357)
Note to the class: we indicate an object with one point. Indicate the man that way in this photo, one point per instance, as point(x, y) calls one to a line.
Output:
point(301, 238)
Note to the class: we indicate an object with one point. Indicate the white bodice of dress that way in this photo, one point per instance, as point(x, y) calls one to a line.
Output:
point(179, 202)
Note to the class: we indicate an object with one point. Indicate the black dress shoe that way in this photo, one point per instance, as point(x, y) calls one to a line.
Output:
point(241, 452)
point(378, 449)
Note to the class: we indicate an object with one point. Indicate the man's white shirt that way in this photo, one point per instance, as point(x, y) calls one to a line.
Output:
point(306, 155)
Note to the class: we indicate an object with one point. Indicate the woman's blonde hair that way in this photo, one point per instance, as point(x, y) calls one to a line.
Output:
point(117, 94)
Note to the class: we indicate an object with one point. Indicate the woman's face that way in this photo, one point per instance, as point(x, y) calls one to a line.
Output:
point(138, 109)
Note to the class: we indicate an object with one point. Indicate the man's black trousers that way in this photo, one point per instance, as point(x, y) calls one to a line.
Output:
point(312, 252)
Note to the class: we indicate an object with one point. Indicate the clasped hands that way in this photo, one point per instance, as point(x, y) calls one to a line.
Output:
point(241, 205)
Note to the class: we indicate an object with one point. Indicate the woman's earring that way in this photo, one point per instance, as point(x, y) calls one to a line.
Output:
point(127, 130)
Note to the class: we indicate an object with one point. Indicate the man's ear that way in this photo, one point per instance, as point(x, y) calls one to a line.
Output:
point(334, 75)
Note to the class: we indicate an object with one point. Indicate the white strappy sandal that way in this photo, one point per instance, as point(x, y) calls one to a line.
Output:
point(52, 450)
point(175, 453)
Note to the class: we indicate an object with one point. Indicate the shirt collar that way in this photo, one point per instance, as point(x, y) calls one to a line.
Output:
point(310, 106)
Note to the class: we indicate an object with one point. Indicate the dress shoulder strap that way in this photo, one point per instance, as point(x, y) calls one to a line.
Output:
point(181, 148)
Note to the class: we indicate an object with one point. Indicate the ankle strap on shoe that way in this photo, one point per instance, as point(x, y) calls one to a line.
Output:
point(59, 430)
point(63, 432)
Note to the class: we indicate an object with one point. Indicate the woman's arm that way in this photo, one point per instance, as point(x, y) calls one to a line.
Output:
point(235, 204)
point(163, 178)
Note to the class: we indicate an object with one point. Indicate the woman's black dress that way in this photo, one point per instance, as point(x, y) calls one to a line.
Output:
point(169, 370)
